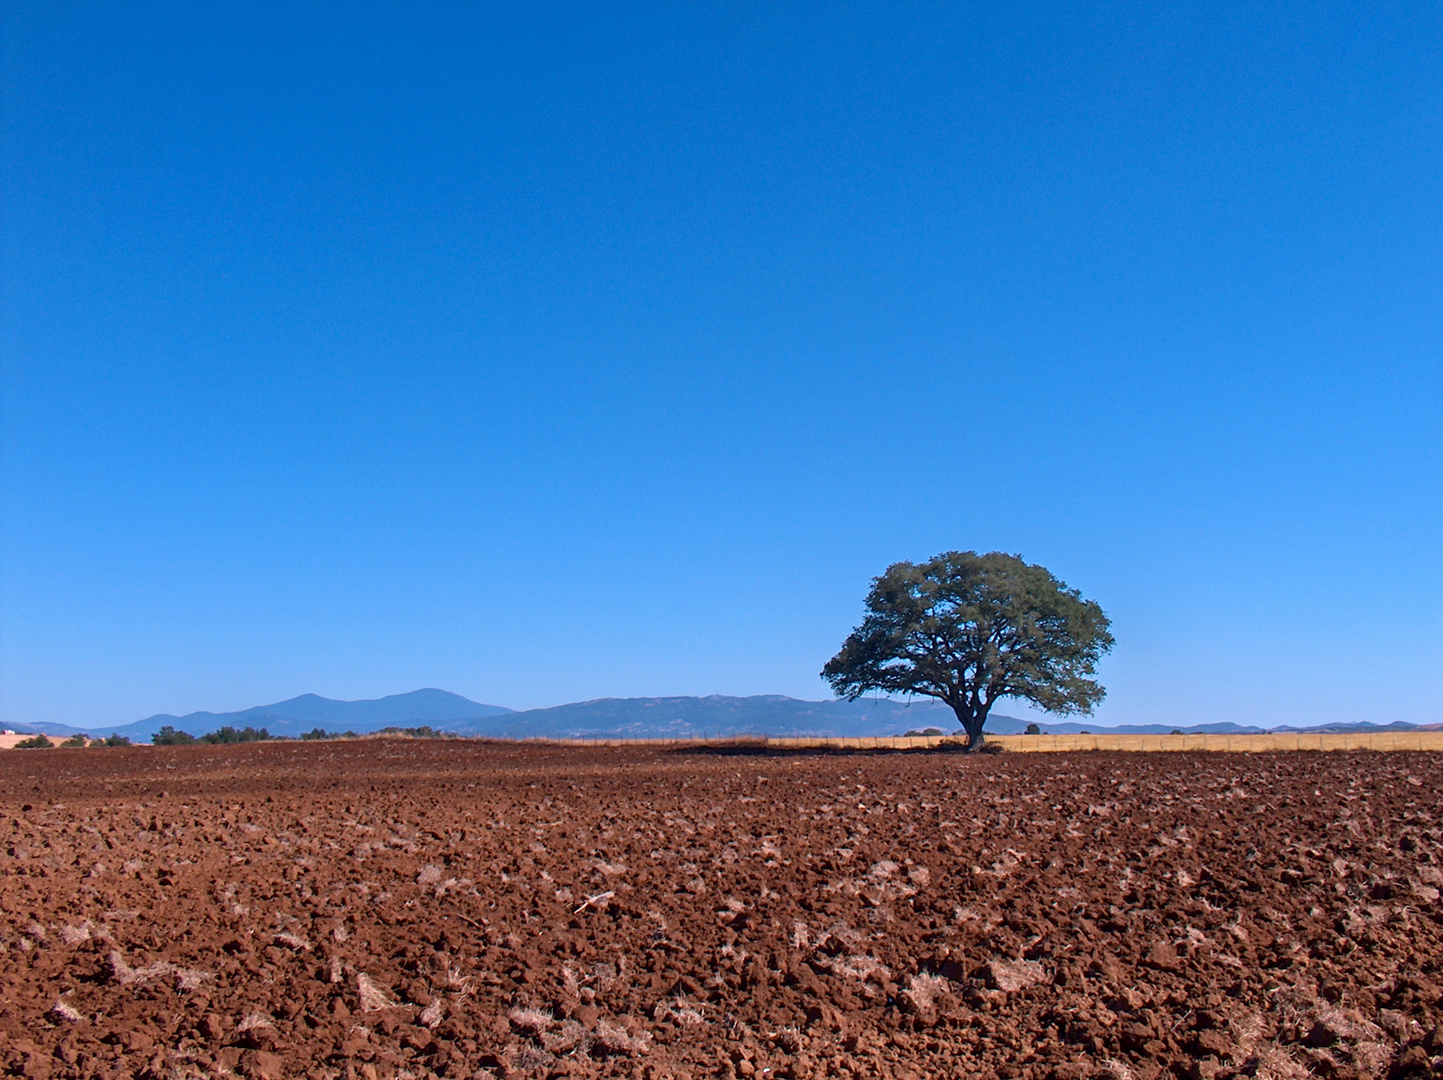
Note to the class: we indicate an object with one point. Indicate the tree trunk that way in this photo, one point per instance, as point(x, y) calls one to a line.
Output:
point(972, 724)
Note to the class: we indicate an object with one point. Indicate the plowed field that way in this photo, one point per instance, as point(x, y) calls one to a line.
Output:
point(391, 909)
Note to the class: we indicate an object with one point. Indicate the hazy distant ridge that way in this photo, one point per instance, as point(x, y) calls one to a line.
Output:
point(653, 717)
point(437, 708)
point(719, 715)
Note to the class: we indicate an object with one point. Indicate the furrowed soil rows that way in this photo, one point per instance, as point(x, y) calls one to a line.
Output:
point(392, 909)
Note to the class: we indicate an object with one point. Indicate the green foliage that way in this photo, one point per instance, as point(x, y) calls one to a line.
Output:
point(315, 733)
point(113, 740)
point(168, 736)
point(229, 734)
point(35, 742)
point(971, 629)
point(75, 742)
point(425, 732)
point(1033, 729)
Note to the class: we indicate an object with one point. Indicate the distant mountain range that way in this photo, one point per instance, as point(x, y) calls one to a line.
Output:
point(436, 708)
point(664, 717)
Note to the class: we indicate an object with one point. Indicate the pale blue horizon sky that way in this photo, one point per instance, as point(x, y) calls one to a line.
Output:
point(557, 352)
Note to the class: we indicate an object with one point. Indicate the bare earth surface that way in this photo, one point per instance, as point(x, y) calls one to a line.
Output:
point(385, 909)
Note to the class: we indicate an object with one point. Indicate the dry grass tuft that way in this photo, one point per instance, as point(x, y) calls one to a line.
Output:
point(373, 998)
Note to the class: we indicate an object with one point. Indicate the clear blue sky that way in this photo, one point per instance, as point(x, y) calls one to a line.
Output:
point(543, 353)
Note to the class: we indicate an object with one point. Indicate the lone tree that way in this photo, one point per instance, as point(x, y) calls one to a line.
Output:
point(969, 629)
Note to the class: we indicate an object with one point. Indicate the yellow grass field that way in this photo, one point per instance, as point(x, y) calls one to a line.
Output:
point(1031, 744)
point(7, 742)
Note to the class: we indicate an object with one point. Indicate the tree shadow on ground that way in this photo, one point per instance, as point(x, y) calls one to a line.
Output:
point(747, 748)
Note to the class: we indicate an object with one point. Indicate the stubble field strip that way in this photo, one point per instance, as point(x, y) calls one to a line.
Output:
point(1268, 742)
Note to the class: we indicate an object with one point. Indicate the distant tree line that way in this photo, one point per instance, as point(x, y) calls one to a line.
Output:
point(423, 732)
point(40, 742)
point(169, 736)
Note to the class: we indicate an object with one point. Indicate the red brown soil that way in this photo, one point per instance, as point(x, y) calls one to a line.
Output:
point(392, 909)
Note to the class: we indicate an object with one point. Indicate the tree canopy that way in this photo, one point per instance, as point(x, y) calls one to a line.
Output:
point(169, 736)
point(971, 629)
